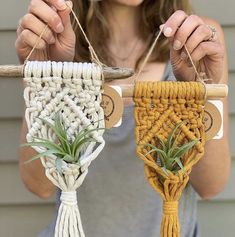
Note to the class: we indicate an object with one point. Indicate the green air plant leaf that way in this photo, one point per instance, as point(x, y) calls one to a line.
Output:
point(169, 153)
point(171, 136)
point(58, 165)
point(62, 148)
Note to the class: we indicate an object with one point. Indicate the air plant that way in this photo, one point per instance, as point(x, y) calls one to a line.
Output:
point(169, 155)
point(63, 148)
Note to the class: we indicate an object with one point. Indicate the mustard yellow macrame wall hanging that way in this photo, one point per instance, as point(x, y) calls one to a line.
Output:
point(159, 108)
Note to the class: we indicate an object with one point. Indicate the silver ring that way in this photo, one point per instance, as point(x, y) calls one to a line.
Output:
point(213, 33)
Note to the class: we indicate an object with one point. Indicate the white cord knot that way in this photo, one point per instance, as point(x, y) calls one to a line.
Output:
point(69, 198)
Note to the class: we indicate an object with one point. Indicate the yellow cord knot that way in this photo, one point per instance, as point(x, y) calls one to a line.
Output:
point(170, 207)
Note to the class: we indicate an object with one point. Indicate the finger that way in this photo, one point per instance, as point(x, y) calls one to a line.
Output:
point(202, 33)
point(58, 4)
point(190, 24)
point(65, 18)
point(44, 12)
point(173, 23)
point(208, 49)
point(32, 23)
point(30, 39)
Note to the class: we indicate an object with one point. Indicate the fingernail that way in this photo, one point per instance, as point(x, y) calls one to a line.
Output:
point(167, 32)
point(61, 5)
point(183, 56)
point(177, 45)
point(59, 28)
point(161, 26)
point(69, 4)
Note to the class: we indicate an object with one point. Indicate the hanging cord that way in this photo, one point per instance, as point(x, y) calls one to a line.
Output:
point(94, 57)
point(36, 44)
point(149, 53)
point(151, 50)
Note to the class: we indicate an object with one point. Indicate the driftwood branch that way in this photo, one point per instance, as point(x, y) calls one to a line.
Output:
point(110, 73)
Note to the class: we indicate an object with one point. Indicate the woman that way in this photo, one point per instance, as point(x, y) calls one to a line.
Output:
point(115, 199)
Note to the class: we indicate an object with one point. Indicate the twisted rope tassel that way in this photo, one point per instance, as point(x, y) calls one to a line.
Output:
point(68, 219)
point(159, 107)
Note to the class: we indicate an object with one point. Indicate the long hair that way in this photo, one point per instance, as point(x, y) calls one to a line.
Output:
point(153, 14)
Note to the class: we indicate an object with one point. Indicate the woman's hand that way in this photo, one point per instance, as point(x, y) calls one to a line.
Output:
point(203, 44)
point(58, 41)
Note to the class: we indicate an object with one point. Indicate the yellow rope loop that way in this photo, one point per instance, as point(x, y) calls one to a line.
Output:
point(159, 107)
point(170, 207)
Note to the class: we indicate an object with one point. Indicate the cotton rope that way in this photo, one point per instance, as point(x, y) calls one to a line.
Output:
point(74, 89)
point(159, 107)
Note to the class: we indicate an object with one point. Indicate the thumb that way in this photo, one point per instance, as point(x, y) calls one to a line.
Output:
point(66, 20)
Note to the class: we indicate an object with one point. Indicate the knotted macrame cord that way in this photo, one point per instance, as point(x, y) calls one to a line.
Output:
point(76, 89)
point(159, 107)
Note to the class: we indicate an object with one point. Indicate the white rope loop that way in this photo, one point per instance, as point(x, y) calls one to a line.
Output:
point(74, 89)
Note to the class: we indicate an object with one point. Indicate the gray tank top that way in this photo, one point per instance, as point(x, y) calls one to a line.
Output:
point(116, 200)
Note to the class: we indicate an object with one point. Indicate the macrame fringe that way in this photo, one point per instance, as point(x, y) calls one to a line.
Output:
point(170, 226)
point(68, 222)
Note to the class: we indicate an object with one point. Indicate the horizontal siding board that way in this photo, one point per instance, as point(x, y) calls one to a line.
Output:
point(9, 139)
point(10, 133)
point(232, 135)
point(11, 98)
point(24, 221)
point(216, 219)
point(11, 183)
point(231, 93)
point(215, 9)
point(12, 102)
point(11, 91)
point(229, 33)
point(12, 11)
point(7, 47)
point(228, 194)
point(211, 8)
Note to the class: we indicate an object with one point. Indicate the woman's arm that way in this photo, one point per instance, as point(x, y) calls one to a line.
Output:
point(33, 173)
point(210, 175)
point(58, 43)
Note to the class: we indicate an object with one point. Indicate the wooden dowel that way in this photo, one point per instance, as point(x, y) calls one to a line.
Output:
point(110, 73)
point(213, 91)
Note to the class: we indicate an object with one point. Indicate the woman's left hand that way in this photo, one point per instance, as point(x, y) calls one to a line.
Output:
point(202, 42)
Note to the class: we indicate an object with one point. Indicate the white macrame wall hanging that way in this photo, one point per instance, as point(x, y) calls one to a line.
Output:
point(74, 89)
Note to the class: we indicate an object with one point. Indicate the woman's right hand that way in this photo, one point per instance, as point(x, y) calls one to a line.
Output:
point(58, 41)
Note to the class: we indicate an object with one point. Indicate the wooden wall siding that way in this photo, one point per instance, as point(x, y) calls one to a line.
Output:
point(11, 12)
point(10, 172)
point(217, 218)
point(231, 97)
point(10, 132)
point(24, 220)
point(11, 98)
point(222, 11)
point(27, 213)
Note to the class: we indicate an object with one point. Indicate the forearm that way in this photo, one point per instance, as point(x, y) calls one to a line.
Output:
point(33, 173)
point(211, 173)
